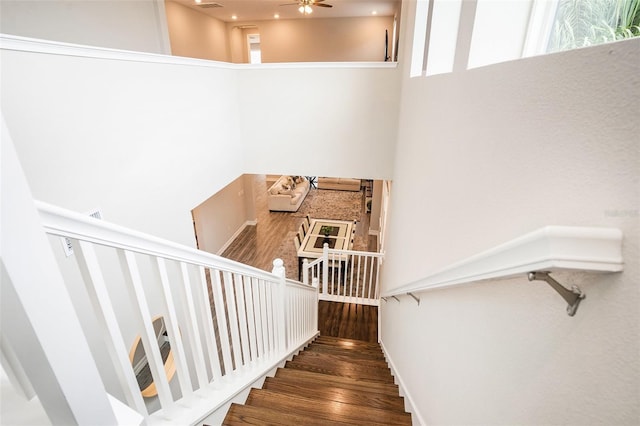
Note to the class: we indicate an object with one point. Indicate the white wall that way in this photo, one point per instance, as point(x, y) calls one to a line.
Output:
point(138, 25)
point(222, 215)
point(195, 34)
point(321, 121)
point(142, 141)
point(485, 156)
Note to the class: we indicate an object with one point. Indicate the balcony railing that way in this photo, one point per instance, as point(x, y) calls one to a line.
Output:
point(345, 275)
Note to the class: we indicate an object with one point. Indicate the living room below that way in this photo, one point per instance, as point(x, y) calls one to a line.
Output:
point(237, 222)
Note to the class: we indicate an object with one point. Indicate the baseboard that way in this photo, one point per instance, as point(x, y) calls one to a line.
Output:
point(235, 235)
point(374, 232)
point(410, 406)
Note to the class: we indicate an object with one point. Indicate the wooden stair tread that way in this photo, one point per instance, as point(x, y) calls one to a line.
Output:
point(345, 382)
point(329, 410)
point(347, 343)
point(333, 381)
point(335, 358)
point(251, 415)
point(360, 397)
point(352, 373)
point(345, 351)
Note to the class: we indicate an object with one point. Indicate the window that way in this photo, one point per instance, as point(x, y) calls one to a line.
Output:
point(580, 23)
point(502, 30)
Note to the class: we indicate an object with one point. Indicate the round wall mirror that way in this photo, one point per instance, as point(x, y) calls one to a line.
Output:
point(140, 363)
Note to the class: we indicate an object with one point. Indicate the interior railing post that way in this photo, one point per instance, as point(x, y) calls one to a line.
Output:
point(305, 271)
point(278, 269)
point(325, 268)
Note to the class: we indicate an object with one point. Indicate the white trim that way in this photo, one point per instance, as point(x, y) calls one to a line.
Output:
point(25, 44)
point(235, 235)
point(409, 406)
point(374, 232)
point(541, 19)
point(550, 248)
point(62, 222)
point(348, 299)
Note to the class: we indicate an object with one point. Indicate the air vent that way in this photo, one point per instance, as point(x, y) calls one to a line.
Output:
point(96, 214)
point(67, 246)
point(209, 5)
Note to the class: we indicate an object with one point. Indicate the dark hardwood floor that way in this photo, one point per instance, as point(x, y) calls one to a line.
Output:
point(348, 320)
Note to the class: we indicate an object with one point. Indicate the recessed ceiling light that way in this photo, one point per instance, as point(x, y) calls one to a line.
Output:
point(198, 1)
point(276, 16)
point(234, 17)
point(374, 12)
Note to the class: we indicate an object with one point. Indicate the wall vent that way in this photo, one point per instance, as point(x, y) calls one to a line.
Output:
point(209, 5)
point(67, 246)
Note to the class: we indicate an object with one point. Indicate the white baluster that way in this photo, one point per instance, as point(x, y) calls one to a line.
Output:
point(232, 311)
point(248, 293)
point(175, 338)
point(209, 331)
point(325, 268)
point(377, 292)
point(242, 317)
point(108, 323)
point(272, 331)
point(147, 334)
point(193, 332)
point(371, 278)
point(280, 305)
point(263, 334)
point(221, 319)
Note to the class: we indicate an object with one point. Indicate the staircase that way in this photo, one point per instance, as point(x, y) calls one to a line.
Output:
point(333, 381)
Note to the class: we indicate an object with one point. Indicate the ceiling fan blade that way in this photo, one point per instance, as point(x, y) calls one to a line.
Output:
point(322, 5)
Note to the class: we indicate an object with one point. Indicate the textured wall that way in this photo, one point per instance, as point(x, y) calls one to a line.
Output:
point(485, 156)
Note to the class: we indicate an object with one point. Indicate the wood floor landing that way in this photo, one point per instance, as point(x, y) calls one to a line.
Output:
point(348, 320)
point(333, 381)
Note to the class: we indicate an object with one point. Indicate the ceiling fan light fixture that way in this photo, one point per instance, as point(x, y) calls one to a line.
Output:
point(305, 9)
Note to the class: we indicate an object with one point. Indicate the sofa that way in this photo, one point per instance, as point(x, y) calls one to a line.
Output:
point(343, 184)
point(287, 193)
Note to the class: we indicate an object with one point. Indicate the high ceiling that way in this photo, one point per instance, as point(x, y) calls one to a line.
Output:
point(260, 10)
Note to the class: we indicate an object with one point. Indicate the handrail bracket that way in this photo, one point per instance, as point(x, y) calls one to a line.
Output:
point(573, 297)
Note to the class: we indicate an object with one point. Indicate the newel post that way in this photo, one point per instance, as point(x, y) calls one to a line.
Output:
point(325, 268)
point(282, 308)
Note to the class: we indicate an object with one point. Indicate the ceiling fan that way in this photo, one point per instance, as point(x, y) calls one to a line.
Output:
point(305, 6)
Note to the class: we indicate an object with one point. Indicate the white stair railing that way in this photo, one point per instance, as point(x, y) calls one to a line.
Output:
point(227, 323)
point(347, 276)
